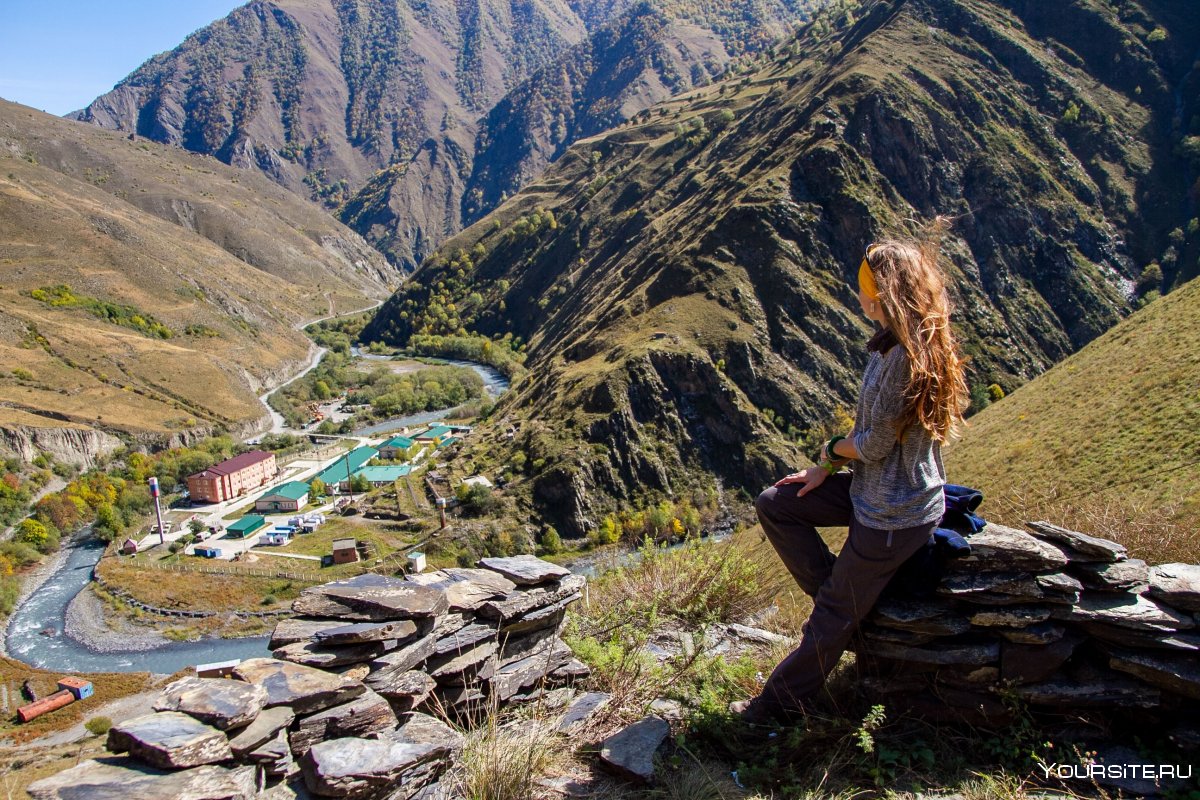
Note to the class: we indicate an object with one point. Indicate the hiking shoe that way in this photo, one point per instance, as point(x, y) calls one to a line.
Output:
point(753, 712)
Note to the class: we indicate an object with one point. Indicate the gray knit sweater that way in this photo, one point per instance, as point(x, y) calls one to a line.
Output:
point(896, 484)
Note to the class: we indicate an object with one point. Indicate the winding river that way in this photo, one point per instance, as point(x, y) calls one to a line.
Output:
point(45, 608)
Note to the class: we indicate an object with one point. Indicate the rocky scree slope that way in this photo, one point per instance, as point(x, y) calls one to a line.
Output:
point(184, 279)
point(682, 284)
point(378, 106)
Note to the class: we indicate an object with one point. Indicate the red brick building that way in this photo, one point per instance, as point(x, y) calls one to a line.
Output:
point(232, 478)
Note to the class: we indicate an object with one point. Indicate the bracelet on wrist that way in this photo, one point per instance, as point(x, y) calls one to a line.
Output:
point(829, 447)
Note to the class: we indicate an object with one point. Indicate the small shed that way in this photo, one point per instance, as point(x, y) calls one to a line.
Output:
point(217, 669)
point(345, 551)
point(245, 526)
point(276, 538)
point(208, 552)
point(129, 547)
point(76, 686)
point(291, 496)
point(416, 561)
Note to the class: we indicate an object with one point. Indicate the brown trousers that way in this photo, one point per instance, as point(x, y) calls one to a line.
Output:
point(844, 589)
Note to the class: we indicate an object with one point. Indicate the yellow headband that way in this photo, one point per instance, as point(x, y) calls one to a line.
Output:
point(866, 280)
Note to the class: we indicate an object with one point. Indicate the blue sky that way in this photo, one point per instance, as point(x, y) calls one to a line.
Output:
point(58, 55)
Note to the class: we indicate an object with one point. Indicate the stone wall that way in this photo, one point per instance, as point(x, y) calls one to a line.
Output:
point(1058, 619)
point(340, 710)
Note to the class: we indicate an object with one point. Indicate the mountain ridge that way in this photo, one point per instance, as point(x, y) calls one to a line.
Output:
point(682, 284)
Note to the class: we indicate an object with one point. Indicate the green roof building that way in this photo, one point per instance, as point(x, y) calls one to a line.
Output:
point(246, 526)
point(340, 471)
point(395, 447)
point(434, 432)
point(379, 476)
point(291, 496)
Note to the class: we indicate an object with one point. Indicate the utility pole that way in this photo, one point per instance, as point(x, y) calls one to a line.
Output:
point(349, 486)
point(157, 508)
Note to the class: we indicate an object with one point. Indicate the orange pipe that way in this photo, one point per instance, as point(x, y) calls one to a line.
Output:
point(45, 705)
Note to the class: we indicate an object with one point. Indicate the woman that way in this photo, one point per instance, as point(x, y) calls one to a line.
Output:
point(912, 398)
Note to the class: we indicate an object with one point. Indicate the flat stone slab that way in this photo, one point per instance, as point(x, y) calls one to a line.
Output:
point(1155, 639)
point(1116, 576)
point(920, 616)
point(874, 633)
point(405, 690)
point(998, 547)
point(364, 714)
point(525, 570)
point(515, 648)
point(352, 767)
point(220, 702)
point(126, 779)
point(984, 653)
point(1038, 633)
point(1176, 673)
point(1079, 546)
point(400, 660)
point(453, 664)
point(1011, 616)
point(317, 654)
point(169, 740)
point(418, 728)
point(513, 677)
point(264, 728)
point(464, 639)
point(371, 597)
point(630, 751)
point(303, 688)
point(367, 633)
point(1133, 611)
point(1068, 692)
point(581, 710)
point(275, 755)
point(573, 670)
point(521, 602)
point(545, 617)
point(466, 589)
point(1060, 584)
point(756, 635)
point(1177, 585)
point(1019, 586)
point(300, 629)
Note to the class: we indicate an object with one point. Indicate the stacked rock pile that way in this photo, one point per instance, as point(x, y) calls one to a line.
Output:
point(337, 712)
point(1060, 618)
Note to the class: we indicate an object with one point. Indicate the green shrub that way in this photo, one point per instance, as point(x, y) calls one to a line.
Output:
point(98, 726)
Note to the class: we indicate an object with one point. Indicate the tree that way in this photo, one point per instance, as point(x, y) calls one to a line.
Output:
point(360, 484)
point(108, 522)
point(30, 531)
point(551, 541)
point(196, 527)
point(317, 488)
point(322, 390)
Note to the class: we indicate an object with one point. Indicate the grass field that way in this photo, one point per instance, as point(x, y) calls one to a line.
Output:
point(1107, 441)
point(108, 685)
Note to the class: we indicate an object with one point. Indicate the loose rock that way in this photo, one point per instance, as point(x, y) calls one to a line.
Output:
point(525, 570)
point(125, 779)
point(303, 688)
point(169, 740)
point(220, 702)
point(1079, 546)
point(264, 728)
point(1177, 585)
point(630, 752)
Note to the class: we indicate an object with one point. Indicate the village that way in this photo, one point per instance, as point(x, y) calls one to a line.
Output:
point(251, 503)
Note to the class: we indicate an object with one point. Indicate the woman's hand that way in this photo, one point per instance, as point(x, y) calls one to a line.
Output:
point(811, 478)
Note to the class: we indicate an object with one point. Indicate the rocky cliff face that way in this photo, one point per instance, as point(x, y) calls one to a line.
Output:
point(68, 445)
point(721, 231)
point(378, 106)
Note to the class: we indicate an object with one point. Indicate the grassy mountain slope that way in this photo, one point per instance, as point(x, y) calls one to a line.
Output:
point(1112, 428)
point(681, 284)
point(185, 279)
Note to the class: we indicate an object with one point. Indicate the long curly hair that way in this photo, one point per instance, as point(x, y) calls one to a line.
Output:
point(912, 294)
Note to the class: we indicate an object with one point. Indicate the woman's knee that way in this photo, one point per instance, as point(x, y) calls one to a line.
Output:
point(765, 502)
